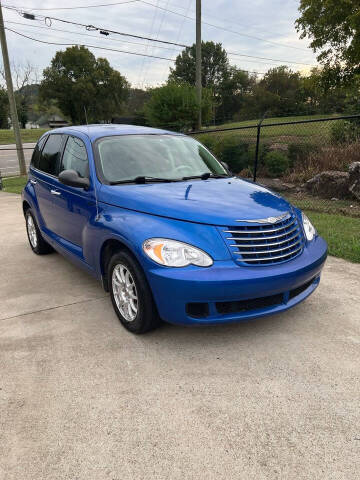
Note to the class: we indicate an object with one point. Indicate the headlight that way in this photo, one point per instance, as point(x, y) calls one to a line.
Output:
point(172, 253)
point(309, 228)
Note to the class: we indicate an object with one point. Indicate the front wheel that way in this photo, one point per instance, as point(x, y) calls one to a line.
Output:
point(37, 243)
point(130, 294)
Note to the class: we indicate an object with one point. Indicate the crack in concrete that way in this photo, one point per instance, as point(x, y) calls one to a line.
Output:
point(54, 308)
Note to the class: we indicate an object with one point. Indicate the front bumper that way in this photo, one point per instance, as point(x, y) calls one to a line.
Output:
point(278, 288)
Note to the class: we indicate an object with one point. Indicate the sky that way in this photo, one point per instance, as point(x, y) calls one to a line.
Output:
point(262, 28)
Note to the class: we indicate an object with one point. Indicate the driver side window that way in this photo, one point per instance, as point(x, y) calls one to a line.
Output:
point(75, 157)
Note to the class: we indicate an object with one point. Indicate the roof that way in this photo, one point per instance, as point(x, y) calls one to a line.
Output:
point(105, 130)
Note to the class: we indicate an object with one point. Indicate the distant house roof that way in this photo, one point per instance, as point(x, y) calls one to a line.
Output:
point(58, 123)
point(52, 121)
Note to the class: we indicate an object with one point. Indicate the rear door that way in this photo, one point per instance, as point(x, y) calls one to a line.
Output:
point(43, 171)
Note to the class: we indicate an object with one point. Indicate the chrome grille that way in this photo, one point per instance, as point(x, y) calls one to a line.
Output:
point(265, 243)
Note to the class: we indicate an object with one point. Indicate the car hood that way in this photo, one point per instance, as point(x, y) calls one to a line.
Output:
point(213, 201)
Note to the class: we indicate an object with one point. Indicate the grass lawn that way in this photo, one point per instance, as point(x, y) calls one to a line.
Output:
point(7, 136)
point(337, 222)
point(349, 208)
point(341, 232)
point(314, 133)
point(14, 184)
point(293, 118)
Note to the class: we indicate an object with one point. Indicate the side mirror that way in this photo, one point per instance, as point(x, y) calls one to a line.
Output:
point(73, 179)
point(226, 166)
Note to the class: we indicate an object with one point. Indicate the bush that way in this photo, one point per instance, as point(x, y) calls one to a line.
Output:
point(235, 154)
point(210, 141)
point(277, 163)
point(263, 150)
point(298, 152)
point(344, 131)
point(239, 155)
point(333, 157)
point(175, 106)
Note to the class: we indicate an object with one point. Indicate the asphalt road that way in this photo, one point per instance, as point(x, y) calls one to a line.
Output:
point(9, 164)
point(82, 399)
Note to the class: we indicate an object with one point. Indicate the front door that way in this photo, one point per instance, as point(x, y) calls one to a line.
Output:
point(73, 206)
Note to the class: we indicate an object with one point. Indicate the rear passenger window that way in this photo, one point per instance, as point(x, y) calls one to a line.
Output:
point(50, 154)
point(37, 151)
point(75, 157)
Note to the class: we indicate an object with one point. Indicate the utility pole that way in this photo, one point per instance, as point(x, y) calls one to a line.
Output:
point(198, 60)
point(10, 90)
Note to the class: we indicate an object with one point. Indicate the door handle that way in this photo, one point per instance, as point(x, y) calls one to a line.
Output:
point(55, 192)
point(34, 182)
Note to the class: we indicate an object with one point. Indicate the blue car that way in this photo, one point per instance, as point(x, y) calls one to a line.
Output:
point(166, 228)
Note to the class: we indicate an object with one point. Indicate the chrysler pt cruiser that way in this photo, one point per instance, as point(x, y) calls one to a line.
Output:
point(166, 228)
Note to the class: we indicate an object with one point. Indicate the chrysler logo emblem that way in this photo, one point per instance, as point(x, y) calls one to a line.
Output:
point(272, 219)
point(269, 219)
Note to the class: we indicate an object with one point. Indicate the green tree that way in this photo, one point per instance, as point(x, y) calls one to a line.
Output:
point(234, 89)
point(214, 67)
point(136, 100)
point(281, 81)
point(322, 97)
point(175, 106)
point(260, 101)
point(4, 109)
point(76, 79)
point(284, 85)
point(279, 92)
point(334, 29)
point(228, 83)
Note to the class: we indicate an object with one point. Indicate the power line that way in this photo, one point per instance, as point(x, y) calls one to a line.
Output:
point(225, 29)
point(89, 46)
point(94, 28)
point(87, 35)
point(126, 41)
point(225, 20)
point(83, 6)
point(179, 31)
point(100, 29)
point(272, 59)
point(106, 48)
point(111, 40)
point(155, 12)
point(152, 47)
point(133, 1)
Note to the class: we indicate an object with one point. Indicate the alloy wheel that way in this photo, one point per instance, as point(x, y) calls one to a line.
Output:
point(31, 229)
point(124, 291)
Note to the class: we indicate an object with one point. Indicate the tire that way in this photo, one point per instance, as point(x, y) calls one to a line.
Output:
point(138, 315)
point(37, 243)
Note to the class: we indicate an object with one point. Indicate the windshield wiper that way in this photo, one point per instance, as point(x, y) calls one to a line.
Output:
point(142, 179)
point(145, 179)
point(207, 175)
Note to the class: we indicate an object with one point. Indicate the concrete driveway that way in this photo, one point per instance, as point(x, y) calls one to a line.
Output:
point(82, 399)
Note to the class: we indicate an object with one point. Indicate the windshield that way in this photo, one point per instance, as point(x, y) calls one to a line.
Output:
point(172, 157)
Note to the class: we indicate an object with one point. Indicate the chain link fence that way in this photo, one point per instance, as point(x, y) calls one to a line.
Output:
point(293, 149)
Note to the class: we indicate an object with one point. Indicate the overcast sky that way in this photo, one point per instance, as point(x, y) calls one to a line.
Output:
point(271, 20)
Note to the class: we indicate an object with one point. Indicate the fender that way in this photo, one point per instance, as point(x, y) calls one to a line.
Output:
point(114, 222)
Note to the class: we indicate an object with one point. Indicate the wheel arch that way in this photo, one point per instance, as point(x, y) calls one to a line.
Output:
point(26, 206)
point(108, 249)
